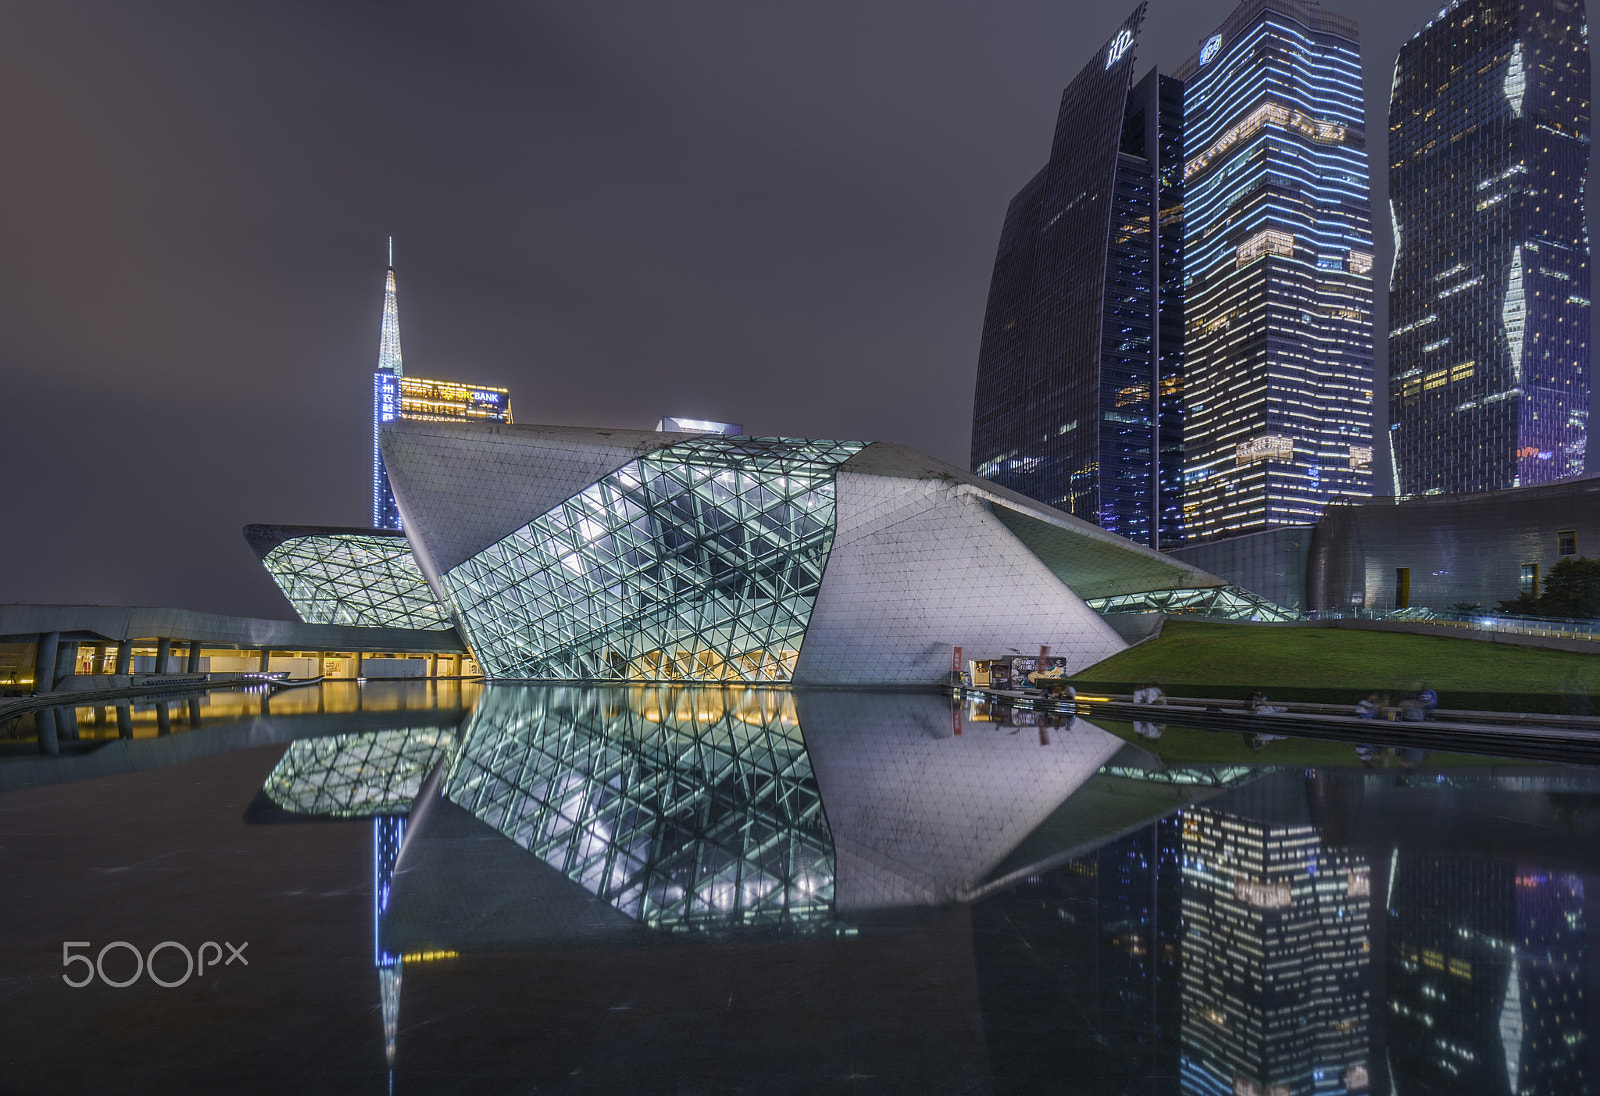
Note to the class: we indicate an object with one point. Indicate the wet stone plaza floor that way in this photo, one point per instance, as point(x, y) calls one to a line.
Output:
point(430, 888)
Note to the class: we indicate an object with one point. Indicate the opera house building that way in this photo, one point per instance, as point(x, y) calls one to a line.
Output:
point(564, 554)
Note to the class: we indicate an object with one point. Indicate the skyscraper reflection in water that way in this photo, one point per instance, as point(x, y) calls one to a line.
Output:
point(1276, 958)
point(1487, 971)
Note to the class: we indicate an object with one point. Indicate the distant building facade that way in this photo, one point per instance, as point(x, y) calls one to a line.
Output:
point(1278, 271)
point(1489, 295)
point(1435, 551)
point(396, 396)
point(1472, 550)
point(1079, 386)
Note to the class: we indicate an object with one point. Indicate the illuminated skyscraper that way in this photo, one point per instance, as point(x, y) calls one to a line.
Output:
point(1080, 368)
point(1275, 956)
point(396, 396)
point(1489, 295)
point(1277, 270)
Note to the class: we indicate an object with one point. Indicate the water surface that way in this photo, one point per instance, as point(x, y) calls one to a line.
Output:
point(723, 890)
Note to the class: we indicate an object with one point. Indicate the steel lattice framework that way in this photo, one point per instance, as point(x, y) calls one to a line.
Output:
point(351, 578)
point(1225, 602)
point(688, 810)
point(357, 775)
point(699, 562)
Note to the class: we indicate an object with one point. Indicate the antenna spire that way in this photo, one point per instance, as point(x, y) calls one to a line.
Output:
point(389, 342)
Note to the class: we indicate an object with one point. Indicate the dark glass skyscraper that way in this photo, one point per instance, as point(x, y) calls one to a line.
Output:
point(1078, 400)
point(1489, 296)
point(1278, 270)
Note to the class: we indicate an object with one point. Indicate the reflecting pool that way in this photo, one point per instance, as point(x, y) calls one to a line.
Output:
point(675, 890)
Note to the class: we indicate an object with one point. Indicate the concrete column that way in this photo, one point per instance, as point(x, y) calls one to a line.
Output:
point(322, 663)
point(194, 712)
point(125, 657)
point(163, 652)
point(44, 664)
point(66, 663)
point(433, 665)
point(192, 666)
point(45, 723)
point(358, 663)
point(99, 715)
point(266, 659)
point(163, 718)
point(124, 719)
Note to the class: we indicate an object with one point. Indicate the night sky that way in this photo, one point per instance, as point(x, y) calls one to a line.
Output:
point(780, 214)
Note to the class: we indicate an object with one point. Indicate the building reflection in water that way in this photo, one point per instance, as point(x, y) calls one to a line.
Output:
point(1276, 954)
point(377, 775)
point(1218, 928)
point(1263, 943)
point(684, 810)
point(1487, 972)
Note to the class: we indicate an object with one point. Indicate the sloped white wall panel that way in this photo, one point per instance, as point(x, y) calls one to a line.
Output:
point(921, 565)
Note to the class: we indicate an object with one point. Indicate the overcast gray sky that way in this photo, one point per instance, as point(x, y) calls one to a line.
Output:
point(780, 214)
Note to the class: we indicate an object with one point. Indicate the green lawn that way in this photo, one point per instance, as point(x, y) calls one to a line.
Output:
point(1259, 656)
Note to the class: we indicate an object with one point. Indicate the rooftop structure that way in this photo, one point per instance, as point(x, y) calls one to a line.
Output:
point(674, 425)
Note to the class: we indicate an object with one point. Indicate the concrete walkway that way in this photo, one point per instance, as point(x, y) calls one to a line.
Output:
point(1573, 739)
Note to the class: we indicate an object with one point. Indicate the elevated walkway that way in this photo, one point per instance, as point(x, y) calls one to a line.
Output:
point(117, 623)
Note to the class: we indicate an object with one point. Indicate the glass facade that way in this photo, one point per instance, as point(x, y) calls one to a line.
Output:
point(686, 810)
point(1222, 602)
point(1079, 388)
point(369, 579)
point(698, 562)
point(1278, 271)
point(1489, 295)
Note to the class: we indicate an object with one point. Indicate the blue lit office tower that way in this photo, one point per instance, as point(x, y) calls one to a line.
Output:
point(1489, 295)
point(396, 396)
point(1078, 398)
point(1278, 270)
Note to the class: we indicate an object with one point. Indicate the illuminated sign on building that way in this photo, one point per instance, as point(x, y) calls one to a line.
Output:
point(1120, 45)
point(435, 400)
point(1264, 447)
point(1209, 50)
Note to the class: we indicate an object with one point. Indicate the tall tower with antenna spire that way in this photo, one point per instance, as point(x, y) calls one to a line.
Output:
point(397, 396)
point(386, 400)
